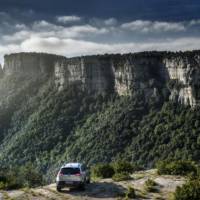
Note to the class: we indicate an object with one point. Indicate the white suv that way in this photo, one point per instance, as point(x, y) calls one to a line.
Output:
point(72, 175)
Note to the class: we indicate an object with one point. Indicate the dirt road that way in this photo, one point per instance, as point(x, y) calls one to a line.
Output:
point(105, 189)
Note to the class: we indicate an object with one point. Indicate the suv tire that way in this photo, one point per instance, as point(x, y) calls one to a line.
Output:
point(82, 186)
point(58, 189)
point(88, 181)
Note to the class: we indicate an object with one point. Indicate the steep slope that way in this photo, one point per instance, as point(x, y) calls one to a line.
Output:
point(142, 107)
point(138, 132)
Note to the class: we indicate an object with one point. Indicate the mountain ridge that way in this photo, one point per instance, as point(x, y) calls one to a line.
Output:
point(121, 73)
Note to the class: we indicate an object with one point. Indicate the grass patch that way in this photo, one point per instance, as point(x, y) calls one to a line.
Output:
point(190, 190)
point(56, 193)
point(6, 196)
point(159, 198)
point(141, 194)
point(130, 193)
point(123, 176)
point(150, 186)
point(137, 176)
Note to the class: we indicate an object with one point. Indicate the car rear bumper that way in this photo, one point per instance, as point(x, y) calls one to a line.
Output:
point(69, 183)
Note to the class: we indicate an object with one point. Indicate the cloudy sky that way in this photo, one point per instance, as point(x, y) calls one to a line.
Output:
point(82, 27)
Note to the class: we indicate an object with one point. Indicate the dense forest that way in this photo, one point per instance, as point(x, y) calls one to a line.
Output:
point(47, 127)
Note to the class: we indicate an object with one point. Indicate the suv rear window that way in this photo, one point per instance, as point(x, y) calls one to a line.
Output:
point(70, 170)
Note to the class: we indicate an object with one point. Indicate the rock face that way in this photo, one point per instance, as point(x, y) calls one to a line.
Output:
point(29, 63)
point(186, 70)
point(148, 73)
point(134, 73)
point(92, 73)
point(1, 71)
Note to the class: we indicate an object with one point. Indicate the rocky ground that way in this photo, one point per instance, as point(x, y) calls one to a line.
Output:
point(102, 189)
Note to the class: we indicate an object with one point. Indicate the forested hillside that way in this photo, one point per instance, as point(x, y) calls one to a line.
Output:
point(47, 127)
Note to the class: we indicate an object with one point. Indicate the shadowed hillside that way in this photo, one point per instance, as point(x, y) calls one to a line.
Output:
point(142, 107)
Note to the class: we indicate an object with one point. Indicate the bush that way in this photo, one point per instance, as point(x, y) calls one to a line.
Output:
point(18, 177)
point(123, 166)
point(190, 190)
point(130, 193)
point(30, 176)
point(2, 177)
point(3, 186)
point(176, 168)
point(102, 171)
point(9, 179)
point(150, 186)
point(198, 172)
point(123, 176)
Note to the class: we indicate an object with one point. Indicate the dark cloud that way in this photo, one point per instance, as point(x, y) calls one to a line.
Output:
point(82, 27)
point(167, 10)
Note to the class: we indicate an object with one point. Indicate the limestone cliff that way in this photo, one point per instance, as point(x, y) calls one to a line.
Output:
point(92, 73)
point(148, 73)
point(29, 63)
point(1, 71)
point(186, 70)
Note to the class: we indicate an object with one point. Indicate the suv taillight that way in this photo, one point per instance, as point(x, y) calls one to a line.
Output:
point(78, 174)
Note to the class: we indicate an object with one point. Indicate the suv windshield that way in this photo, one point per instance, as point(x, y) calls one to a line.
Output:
point(70, 170)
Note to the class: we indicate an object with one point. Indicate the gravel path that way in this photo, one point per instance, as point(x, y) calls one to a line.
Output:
point(1, 196)
point(105, 189)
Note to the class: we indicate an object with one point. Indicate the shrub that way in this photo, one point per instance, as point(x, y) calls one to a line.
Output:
point(198, 172)
point(13, 183)
point(123, 176)
point(3, 186)
point(2, 177)
point(150, 186)
point(123, 166)
point(190, 190)
point(9, 179)
point(30, 176)
point(18, 177)
point(102, 171)
point(130, 193)
point(176, 168)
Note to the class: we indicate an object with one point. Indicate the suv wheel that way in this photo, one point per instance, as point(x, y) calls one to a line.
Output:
point(88, 181)
point(82, 186)
point(58, 189)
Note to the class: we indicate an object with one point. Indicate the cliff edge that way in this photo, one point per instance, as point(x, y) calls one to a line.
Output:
point(154, 74)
